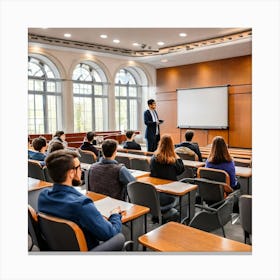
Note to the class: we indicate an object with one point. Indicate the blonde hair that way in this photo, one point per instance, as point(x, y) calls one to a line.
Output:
point(165, 152)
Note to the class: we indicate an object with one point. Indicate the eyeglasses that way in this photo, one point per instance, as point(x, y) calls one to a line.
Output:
point(77, 167)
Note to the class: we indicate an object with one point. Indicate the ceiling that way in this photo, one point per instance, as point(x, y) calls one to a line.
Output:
point(200, 44)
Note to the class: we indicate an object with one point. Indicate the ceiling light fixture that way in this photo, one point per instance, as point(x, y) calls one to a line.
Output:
point(160, 43)
point(183, 35)
point(116, 41)
point(164, 60)
point(67, 35)
point(136, 44)
point(103, 36)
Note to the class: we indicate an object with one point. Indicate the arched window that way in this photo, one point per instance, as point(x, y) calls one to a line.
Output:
point(44, 96)
point(90, 93)
point(127, 100)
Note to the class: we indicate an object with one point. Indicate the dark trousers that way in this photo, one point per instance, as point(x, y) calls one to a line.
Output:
point(152, 143)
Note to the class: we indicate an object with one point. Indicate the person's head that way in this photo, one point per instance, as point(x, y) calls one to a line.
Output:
point(90, 136)
point(60, 134)
point(64, 166)
point(39, 144)
point(219, 151)
point(165, 152)
point(189, 135)
point(109, 147)
point(152, 104)
point(55, 146)
point(129, 134)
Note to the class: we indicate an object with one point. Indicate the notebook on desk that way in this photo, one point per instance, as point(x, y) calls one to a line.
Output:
point(107, 204)
point(173, 186)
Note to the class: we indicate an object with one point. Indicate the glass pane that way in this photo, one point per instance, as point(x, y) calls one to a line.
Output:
point(51, 100)
point(82, 89)
point(30, 84)
point(39, 114)
point(98, 90)
point(51, 86)
point(117, 113)
point(81, 74)
point(123, 91)
point(117, 91)
point(39, 85)
point(123, 115)
point(101, 114)
point(96, 76)
point(34, 70)
point(130, 79)
point(49, 72)
point(132, 91)
point(82, 114)
point(133, 114)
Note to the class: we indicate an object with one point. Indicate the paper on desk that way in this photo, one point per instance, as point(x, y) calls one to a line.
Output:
point(173, 186)
point(107, 204)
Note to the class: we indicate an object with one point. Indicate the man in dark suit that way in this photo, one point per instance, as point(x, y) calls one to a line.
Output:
point(152, 122)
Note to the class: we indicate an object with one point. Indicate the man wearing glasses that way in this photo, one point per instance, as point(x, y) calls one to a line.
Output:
point(64, 201)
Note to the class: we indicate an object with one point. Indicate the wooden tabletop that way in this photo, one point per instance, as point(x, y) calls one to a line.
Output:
point(130, 214)
point(168, 186)
point(175, 237)
point(192, 163)
point(243, 171)
point(35, 184)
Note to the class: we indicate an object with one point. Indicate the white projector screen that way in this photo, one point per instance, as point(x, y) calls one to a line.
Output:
point(203, 108)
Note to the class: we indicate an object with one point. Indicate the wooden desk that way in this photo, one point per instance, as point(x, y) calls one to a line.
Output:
point(246, 173)
point(128, 155)
point(36, 184)
point(180, 189)
point(193, 164)
point(175, 237)
point(129, 215)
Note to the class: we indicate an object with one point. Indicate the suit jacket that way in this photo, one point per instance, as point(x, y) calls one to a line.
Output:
point(151, 126)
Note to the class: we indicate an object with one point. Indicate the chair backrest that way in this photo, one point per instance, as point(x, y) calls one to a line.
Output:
point(33, 197)
point(140, 164)
point(245, 211)
point(35, 170)
point(33, 230)
point(213, 174)
point(124, 160)
point(87, 156)
point(146, 195)
point(210, 191)
point(186, 156)
point(47, 175)
point(61, 234)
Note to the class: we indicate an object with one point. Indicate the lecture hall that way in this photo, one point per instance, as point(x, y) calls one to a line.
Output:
point(140, 140)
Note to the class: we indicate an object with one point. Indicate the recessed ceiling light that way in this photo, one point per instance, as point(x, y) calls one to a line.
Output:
point(136, 44)
point(164, 60)
point(68, 35)
point(103, 36)
point(183, 35)
point(160, 43)
point(116, 41)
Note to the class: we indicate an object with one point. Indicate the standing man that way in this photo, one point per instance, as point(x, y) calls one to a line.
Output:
point(152, 122)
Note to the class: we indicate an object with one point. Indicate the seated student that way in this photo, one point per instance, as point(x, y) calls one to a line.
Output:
point(219, 158)
point(108, 176)
point(165, 163)
point(193, 146)
point(55, 146)
point(130, 143)
point(39, 145)
point(64, 201)
point(88, 143)
point(59, 136)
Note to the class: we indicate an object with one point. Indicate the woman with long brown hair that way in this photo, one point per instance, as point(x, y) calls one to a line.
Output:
point(165, 163)
point(219, 158)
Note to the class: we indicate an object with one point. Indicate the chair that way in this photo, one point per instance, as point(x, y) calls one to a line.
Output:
point(139, 164)
point(186, 153)
point(47, 175)
point(123, 160)
point(146, 195)
point(35, 170)
point(65, 235)
point(34, 232)
point(215, 210)
point(87, 156)
point(245, 210)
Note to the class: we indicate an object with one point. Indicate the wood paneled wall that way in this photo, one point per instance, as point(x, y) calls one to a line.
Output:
point(235, 72)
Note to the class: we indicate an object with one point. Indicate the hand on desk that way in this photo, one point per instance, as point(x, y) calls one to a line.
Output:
point(116, 211)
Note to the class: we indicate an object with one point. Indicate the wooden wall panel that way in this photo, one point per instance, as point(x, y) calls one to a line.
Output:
point(236, 72)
